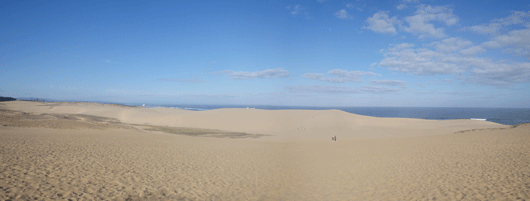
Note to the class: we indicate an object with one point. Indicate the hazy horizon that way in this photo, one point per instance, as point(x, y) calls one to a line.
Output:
point(321, 53)
point(149, 104)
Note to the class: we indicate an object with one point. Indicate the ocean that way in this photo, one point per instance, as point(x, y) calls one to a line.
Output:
point(506, 116)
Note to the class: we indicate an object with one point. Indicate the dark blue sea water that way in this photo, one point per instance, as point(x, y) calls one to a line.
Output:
point(507, 116)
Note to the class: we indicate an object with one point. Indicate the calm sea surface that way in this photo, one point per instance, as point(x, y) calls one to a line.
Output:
point(507, 116)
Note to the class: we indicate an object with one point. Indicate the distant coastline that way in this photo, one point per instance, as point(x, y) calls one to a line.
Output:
point(2, 98)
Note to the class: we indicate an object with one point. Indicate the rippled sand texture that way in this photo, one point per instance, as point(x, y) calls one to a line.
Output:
point(104, 152)
point(121, 164)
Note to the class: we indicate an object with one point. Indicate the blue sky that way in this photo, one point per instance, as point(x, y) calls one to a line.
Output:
point(417, 53)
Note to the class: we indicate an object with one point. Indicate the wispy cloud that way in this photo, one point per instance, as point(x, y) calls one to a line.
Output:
point(442, 82)
point(495, 25)
point(295, 10)
point(131, 92)
point(451, 45)
point(446, 80)
point(209, 96)
point(462, 93)
point(395, 83)
point(378, 90)
point(341, 89)
point(421, 23)
point(515, 41)
point(500, 73)
point(320, 89)
point(186, 80)
point(109, 61)
point(452, 56)
point(472, 51)
point(453, 93)
point(269, 73)
point(404, 3)
point(341, 76)
point(62, 87)
point(357, 7)
point(422, 61)
point(343, 14)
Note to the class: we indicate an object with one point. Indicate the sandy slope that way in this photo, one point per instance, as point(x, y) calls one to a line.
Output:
point(281, 124)
point(62, 151)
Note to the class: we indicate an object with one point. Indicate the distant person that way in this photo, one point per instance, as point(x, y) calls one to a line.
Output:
point(334, 138)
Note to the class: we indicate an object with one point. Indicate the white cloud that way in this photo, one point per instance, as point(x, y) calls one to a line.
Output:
point(453, 93)
point(320, 89)
point(378, 90)
point(381, 23)
point(472, 51)
point(517, 17)
point(358, 7)
point(516, 41)
point(461, 93)
point(490, 28)
point(209, 96)
point(404, 3)
point(495, 25)
point(343, 14)
point(421, 61)
point(451, 44)
point(403, 45)
point(295, 9)
point(341, 89)
point(500, 73)
point(342, 76)
point(455, 56)
point(395, 83)
point(187, 80)
point(420, 23)
point(269, 73)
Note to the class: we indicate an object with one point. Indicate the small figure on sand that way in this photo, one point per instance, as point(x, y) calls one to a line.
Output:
point(334, 138)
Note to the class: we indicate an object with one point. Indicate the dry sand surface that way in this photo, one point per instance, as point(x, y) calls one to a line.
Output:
point(89, 151)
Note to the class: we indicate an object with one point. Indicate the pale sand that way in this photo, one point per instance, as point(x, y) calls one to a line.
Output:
point(94, 151)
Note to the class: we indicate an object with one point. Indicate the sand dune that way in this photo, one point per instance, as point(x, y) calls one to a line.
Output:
point(93, 151)
point(280, 124)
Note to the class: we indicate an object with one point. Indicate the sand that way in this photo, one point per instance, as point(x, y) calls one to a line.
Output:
point(89, 151)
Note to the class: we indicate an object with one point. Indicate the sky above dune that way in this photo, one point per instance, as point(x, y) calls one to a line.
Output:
point(413, 53)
